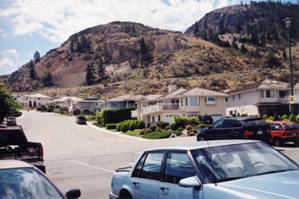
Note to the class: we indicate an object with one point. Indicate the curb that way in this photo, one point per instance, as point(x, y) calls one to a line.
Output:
point(119, 134)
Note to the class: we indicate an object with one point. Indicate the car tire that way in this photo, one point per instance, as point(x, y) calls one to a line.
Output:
point(200, 138)
point(277, 142)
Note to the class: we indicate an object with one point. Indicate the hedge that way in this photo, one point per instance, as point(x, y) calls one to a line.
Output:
point(130, 125)
point(157, 135)
point(113, 116)
point(110, 126)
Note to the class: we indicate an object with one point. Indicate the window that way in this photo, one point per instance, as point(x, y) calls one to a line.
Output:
point(270, 94)
point(186, 100)
point(262, 94)
point(226, 99)
point(239, 96)
point(152, 166)
point(282, 94)
point(232, 124)
point(159, 118)
point(210, 100)
point(138, 169)
point(193, 101)
point(233, 98)
point(178, 166)
point(275, 126)
point(218, 124)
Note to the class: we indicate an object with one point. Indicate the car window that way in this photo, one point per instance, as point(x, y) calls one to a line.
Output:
point(255, 122)
point(26, 183)
point(12, 137)
point(152, 166)
point(178, 166)
point(218, 124)
point(291, 126)
point(236, 124)
point(275, 126)
point(139, 166)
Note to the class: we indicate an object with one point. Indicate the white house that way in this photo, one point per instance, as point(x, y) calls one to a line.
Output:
point(86, 107)
point(64, 102)
point(34, 100)
point(264, 97)
point(180, 103)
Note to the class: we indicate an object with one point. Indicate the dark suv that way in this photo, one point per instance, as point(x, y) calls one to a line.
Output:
point(236, 128)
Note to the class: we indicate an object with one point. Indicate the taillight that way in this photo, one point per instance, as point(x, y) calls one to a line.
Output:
point(248, 133)
point(41, 152)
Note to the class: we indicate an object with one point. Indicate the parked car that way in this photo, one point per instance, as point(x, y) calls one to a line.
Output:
point(81, 120)
point(226, 169)
point(14, 145)
point(12, 121)
point(236, 128)
point(284, 131)
point(21, 180)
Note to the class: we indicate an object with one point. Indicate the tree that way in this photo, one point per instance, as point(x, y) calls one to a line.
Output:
point(90, 76)
point(36, 57)
point(272, 61)
point(243, 49)
point(48, 80)
point(8, 106)
point(32, 71)
point(144, 53)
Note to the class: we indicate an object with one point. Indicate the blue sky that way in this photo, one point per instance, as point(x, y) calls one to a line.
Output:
point(30, 25)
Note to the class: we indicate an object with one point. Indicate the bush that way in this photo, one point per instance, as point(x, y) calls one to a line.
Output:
point(264, 117)
point(130, 125)
point(90, 117)
point(184, 121)
point(136, 132)
point(174, 127)
point(113, 116)
point(189, 127)
point(168, 127)
point(153, 128)
point(297, 118)
point(292, 118)
point(202, 126)
point(285, 117)
point(110, 126)
point(146, 131)
point(162, 124)
point(157, 135)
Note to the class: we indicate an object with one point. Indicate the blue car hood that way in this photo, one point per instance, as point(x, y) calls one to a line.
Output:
point(284, 185)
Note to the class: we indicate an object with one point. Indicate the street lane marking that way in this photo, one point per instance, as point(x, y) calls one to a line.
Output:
point(91, 166)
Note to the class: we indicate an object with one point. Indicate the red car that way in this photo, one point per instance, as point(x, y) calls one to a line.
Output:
point(284, 131)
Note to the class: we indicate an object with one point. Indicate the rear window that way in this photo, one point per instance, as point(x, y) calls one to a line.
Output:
point(291, 126)
point(12, 137)
point(255, 122)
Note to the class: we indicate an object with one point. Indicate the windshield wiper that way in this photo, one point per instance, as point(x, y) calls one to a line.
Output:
point(277, 171)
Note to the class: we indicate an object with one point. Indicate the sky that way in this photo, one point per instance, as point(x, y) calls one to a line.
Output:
point(30, 25)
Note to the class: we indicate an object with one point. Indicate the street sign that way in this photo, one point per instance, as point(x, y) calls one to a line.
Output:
point(292, 99)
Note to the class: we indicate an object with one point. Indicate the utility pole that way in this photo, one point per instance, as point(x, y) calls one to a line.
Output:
point(291, 100)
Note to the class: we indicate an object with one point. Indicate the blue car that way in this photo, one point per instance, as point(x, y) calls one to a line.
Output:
point(224, 169)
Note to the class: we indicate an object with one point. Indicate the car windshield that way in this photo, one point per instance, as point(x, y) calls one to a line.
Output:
point(291, 126)
point(223, 163)
point(26, 183)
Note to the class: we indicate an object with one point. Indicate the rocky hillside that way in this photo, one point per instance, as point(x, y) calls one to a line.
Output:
point(125, 57)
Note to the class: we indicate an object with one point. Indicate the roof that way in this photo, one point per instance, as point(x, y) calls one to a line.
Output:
point(151, 97)
point(173, 94)
point(202, 92)
point(6, 164)
point(126, 98)
point(63, 99)
point(205, 144)
point(265, 84)
point(38, 95)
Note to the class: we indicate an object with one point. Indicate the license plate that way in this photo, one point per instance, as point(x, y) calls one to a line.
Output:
point(260, 132)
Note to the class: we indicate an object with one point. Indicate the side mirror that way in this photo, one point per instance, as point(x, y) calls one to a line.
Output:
point(73, 193)
point(191, 182)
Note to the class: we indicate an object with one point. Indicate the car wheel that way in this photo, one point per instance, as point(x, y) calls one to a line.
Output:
point(200, 138)
point(277, 142)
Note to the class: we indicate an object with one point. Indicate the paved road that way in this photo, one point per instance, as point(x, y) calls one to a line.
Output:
point(82, 156)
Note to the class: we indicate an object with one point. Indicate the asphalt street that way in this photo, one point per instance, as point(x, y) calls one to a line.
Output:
point(81, 156)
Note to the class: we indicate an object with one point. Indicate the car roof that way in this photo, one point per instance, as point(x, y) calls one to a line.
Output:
point(9, 164)
point(205, 144)
point(243, 118)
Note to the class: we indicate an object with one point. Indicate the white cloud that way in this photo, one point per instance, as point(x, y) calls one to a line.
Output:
point(9, 61)
point(56, 20)
point(2, 32)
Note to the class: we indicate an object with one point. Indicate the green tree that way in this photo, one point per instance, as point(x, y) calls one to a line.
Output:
point(243, 49)
point(36, 57)
point(8, 106)
point(90, 74)
point(32, 71)
point(48, 80)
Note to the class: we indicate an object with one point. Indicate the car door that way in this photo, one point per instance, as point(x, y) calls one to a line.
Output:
point(276, 130)
point(234, 129)
point(177, 166)
point(214, 131)
point(147, 175)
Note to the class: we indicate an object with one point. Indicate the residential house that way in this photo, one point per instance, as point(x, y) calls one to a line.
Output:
point(122, 102)
point(181, 103)
point(63, 104)
point(264, 97)
point(87, 106)
point(34, 100)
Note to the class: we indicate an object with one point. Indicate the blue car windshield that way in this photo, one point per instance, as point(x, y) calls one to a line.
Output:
point(224, 163)
point(26, 183)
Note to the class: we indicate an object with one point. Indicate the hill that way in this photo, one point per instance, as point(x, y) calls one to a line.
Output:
point(127, 57)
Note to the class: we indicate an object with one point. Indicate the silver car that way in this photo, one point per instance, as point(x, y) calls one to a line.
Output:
point(239, 169)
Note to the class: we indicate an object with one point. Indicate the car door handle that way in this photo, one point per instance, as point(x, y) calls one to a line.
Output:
point(164, 188)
